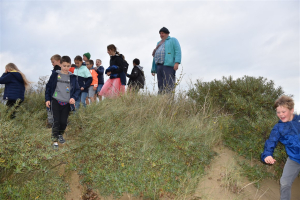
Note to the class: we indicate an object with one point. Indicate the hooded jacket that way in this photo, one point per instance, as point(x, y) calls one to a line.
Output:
point(172, 53)
point(288, 133)
point(14, 86)
point(84, 77)
point(137, 77)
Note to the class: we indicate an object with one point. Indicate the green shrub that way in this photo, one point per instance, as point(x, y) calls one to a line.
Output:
point(249, 103)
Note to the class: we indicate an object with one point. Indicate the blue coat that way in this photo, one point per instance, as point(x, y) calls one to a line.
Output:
point(288, 133)
point(14, 86)
point(51, 85)
point(172, 53)
point(100, 72)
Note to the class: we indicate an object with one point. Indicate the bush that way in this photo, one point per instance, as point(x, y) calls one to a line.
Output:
point(248, 101)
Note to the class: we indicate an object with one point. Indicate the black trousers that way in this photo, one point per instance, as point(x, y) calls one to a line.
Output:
point(12, 103)
point(60, 118)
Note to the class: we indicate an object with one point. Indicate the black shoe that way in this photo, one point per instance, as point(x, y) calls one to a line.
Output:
point(61, 139)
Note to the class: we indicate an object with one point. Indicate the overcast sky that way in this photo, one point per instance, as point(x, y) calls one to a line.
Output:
point(217, 38)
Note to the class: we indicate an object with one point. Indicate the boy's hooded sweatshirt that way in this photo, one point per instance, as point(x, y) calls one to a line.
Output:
point(288, 133)
point(84, 77)
point(14, 86)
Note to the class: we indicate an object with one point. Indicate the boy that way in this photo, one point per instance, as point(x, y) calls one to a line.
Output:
point(94, 84)
point(100, 71)
point(286, 131)
point(55, 60)
point(86, 57)
point(62, 90)
point(137, 77)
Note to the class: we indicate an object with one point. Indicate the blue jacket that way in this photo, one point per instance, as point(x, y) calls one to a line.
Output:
point(288, 133)
point(14, 86)
point(100, 72)
point(172, 53)
point(51, 85)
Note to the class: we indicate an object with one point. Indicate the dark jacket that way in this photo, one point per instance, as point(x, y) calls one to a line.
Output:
point(288, 133)
point(118, 61)
point(100, 72)
point(51, 85)
point(56, 67)
point(14, 86)
point(136, 78)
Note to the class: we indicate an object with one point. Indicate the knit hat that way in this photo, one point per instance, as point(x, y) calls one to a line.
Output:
point(165, 30)
point(88, 55)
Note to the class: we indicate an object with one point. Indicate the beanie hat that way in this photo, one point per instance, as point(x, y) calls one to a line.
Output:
point(165, 30)
point(88, 55)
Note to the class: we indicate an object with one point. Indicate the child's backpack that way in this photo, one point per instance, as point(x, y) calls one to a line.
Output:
point(125, 66)
point(142, 80)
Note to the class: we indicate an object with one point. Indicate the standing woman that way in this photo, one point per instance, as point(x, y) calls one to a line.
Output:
point(15, 83)
point(113, 86)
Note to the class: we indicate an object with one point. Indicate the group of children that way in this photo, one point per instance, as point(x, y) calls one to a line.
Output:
point(68, 87)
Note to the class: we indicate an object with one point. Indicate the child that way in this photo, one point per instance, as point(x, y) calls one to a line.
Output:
point(55, 60)
point(94, 84)
point(15, 84)
point(72, 68)
point(113, 86)
point(62, 90)
point(286, 131)
point(86, 57)
point(100, 71)
point(84, 78)
point(137, 77)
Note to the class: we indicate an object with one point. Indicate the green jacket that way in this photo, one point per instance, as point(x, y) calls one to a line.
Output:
point(172, 53)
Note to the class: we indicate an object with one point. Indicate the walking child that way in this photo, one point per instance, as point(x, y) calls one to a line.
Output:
point(62, 90)
point(15, 84)
point(100, 71)
point(84, 79)
point(137, 77)
point(286, 131)
point(94, 84)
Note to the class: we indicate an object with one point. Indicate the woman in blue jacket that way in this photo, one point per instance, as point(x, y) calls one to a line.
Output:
point(15, 83)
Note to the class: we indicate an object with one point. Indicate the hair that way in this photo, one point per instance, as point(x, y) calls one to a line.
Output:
point(91, 62)
point(73, 65)
point(113, 48)
point(284, 101)
point(65, 59)
point(78, 58)
point(55, 57)
point(99, 60)
point(11, 67)
point(136, 61)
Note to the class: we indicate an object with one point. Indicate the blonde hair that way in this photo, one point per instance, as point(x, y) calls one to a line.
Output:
point(56, 57)
point(12, 67)
point(284, 101)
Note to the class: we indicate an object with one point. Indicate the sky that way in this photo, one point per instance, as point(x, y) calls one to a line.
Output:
point(217, 38)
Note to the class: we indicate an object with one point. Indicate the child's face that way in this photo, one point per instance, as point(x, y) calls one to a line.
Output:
point(110, 52)
point(65, 67)
point(84, 58)
point(78, 63)
point(98, 63)
point(284, 114)
point(89, 65)
point(55, 62)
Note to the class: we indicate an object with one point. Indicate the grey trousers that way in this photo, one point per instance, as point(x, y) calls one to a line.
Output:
point(165, 78)
point(290, 172)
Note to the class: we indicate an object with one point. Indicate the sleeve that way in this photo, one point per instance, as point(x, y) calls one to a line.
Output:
point(88, 82)
point(100, 70)
point(48, 91)
point(95, 78)
point(5, 78)
point(271, 143)
point(153, 69)
point(87, 73)
point(177, 50)
point(134, 74)
point(76, 93)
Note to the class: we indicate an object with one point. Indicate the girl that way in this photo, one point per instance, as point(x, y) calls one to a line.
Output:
point(84, 78)
point(113, 86)
point(15, 84)
point(62, 90)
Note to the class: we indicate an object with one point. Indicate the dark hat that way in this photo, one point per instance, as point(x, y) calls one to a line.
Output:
point(88, 55)
point(165, 30)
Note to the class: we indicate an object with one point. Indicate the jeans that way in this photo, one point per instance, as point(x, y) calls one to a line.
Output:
point(82, 98)
point(165, 79)
point(290, 172)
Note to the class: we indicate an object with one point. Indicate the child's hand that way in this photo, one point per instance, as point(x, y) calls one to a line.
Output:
point(48, 104)
point(81, 88)
point(270, 160)
point(108, 73)
point(72, 101)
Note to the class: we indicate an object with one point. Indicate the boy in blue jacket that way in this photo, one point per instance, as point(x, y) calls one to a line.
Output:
point(62, 90)
point(286, 131)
